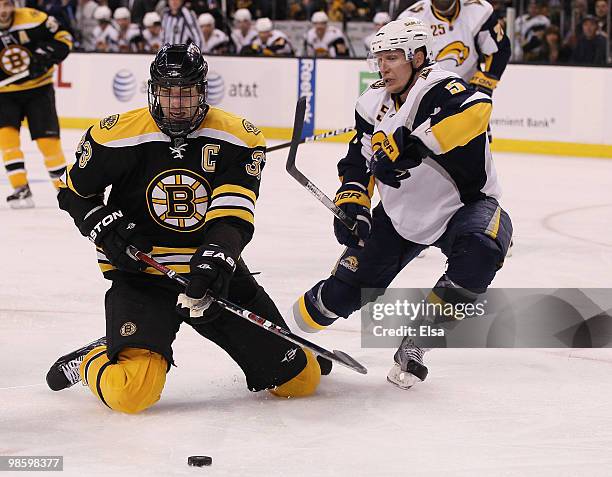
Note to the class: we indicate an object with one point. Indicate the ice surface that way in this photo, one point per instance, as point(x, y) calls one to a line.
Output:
point(480, 412)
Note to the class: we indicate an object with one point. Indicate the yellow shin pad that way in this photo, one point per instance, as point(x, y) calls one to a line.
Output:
point(12, 155)
point(130, 385)
point(305, 383)
point(55, 162)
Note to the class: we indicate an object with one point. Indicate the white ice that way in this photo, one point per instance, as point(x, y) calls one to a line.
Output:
point(480, 412)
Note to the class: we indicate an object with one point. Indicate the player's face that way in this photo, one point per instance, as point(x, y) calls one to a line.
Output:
point(123, 23)
point(6, 13)
point(244, 26)
point(207, 29)
point(264, 36)
point(320, 28)
point(155, 29)
point(394, 68)
point(179, 103)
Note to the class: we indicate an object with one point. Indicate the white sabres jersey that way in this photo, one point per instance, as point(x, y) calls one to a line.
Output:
point(240, 40)
point(332, 44)
point(152, 42)
point(109, 36)
point(422, 206)
point(277, 44)
point(216, 39)
point(457, 42)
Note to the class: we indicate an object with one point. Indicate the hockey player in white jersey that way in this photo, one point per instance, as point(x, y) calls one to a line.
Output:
point(215, 41)
point(324, 40)
point(269, 42)
point(464, 33)
point(243, 33)
point(421, 139)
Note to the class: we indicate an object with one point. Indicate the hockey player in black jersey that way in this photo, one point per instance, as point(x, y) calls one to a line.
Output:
point(421, 139)
point(185, 178)
point(31, 44)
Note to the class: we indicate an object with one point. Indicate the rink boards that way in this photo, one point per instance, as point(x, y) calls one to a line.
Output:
point(537, 109)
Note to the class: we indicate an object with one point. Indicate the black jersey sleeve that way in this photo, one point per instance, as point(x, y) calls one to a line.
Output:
point(492, 44)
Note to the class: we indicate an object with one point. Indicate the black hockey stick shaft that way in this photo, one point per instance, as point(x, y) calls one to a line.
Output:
point(298, 126)
point(316, 137)
point(336, 356)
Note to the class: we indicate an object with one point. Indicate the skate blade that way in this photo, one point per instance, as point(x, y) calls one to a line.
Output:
point(402, 379)
point(21, 204)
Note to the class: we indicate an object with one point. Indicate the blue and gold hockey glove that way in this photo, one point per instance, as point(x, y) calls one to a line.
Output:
point(211, 270)
point(354, 201)
point(394, 156)
point(484, 82)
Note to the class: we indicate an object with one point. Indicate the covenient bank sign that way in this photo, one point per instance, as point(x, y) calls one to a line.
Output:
point(499, 318)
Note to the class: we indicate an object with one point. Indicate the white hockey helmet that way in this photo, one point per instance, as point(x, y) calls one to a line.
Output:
point(151, 19)
point(122, 13)
point(206, 19)
point(263, 24)
point(102, 13)
point(242, 14)
point(408, 34)
point(381, 18)
point(319, 17)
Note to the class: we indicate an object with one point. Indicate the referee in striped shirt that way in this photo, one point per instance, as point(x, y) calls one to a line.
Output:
point(180, 25)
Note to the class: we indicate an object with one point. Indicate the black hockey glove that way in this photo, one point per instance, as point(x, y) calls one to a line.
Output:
point(211, 270)
point(394, 157)
point(110, 230)
point(354, 201)
point(40, 61)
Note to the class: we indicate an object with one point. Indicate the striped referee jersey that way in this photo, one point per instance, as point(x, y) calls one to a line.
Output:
point(181, 28)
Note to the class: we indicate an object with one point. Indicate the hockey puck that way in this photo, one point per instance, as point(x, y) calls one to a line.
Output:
point(199, 460)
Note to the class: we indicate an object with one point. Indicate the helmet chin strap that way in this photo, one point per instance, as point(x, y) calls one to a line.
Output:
point(415, 71)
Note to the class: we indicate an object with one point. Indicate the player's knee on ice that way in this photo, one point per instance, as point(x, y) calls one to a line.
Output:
point(305, 383)
point(131, 384)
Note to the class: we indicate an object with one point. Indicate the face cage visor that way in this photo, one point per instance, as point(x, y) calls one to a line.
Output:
point(373, 59)
point(177, 107)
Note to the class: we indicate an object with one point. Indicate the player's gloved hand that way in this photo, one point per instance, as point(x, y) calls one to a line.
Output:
point(394, 156)
point(40, 62)
point(484, 82)
point(353, 199)
point(211, 270)
point(110, 230)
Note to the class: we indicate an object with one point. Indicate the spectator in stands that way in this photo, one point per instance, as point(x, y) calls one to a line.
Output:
point(243, 33)
point(591, 46)
point(324, 40)
point(601, 13)
point(529, 32)
point(128, 34)
point(180, 25)
point(550, 50)
point(85, 24)
point(152, 34)
point(105, 34)
point(215, 41)
point(269, 42)
point(303, 10)
point(380, 20)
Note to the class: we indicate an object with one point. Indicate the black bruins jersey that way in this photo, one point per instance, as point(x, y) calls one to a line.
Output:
point(31, 29)
point(172, 191)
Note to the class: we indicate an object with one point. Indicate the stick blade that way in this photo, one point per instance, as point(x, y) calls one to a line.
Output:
point(349, 362)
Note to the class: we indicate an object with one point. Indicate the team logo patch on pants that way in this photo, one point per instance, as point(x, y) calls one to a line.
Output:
point(128, 329)
point(350, 262)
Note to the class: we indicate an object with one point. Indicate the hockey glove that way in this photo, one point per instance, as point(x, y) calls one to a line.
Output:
point(353, 200)
point(394, 156)
point(211, 269)
point(110, 230)
point(484, 82)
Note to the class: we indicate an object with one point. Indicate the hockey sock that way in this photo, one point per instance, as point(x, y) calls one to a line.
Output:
point(131, 384)
point(305, 383)
point(51, 149)
point(13, 157)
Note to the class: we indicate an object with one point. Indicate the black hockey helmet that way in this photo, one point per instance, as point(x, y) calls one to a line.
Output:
point(175, 105)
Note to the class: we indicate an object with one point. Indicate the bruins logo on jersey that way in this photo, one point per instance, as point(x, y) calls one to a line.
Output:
point(14, 59)
point(109, 122)
point(457, 51)
point(250, 127)
point(177, 200)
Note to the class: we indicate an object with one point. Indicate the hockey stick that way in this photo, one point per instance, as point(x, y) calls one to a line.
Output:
point(13, 78)
point(316, 137)
point(298, 125)
point(337, 356)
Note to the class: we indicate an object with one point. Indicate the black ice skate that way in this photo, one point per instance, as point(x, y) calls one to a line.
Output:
point(21, 198)
point(408, 369)
point(65, 371)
